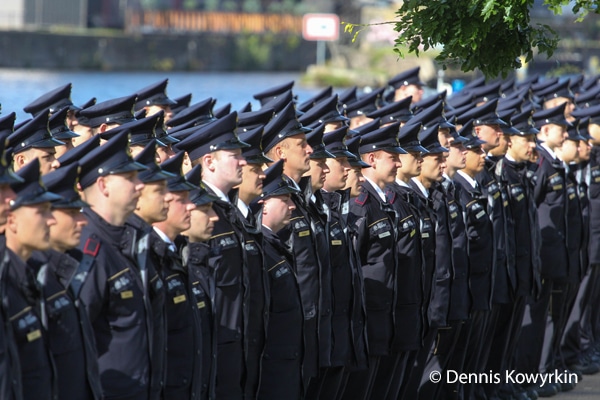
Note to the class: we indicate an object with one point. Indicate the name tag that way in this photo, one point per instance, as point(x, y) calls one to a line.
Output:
point(496, 195)
point(453, 215)
point(425, 235)
point(412, 233)
point(597, 179)
point(35, 335)
point(303, 233)
point(571, 196)
point(520, 197)
point(480, 214)
point(505, 204)
point(384, 234)
point(179, 299)
point(128, 294)
point(336, 242)
point(201, 304)
point(557, 187)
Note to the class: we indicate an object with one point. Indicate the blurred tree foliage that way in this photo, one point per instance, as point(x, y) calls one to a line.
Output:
point(489, 35)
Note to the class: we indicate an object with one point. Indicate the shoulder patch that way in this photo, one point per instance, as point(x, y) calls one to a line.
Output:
point(91, 247)
point(391, 196)
point(362, 198)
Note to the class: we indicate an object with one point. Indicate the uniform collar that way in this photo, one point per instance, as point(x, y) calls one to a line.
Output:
point(377, 189)
point(552, 153)
point(467, 178)
point(243, 207)
point(165, 239)
point(400, 182)
point(424, 191)
point(217, 191)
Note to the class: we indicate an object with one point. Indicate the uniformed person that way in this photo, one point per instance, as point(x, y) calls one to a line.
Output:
point(249, 190)
point(285, 138)
point(325, 112)
point(60, 130)
point(411, 168)
point(34, 141)
point(152, 206)
point(550, 200)
point(407, 83)
point(319, 217)
point(26, 230)
point(569, 154)
point(112, 287)
point(184, 330)
point(102, 117)
point(514, 172)
point(273, 92)
point(579, 334)
point(593, 177)
point(355, 176)
point(202, 262)
point(217, 148)
point(281, 374)
point(493, 130)
point(398, 111)
point(374, 224)
point(10, 374)
point(153, 98)
point(53, 102)
point(439, 341)
point(408, 314)
point(481, 257)
point(181, 103)
point(197, 114)
point(357, 110)
point(70, 333)
point(348, 328)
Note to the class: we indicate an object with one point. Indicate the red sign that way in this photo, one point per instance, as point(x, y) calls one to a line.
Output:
point(324, 27)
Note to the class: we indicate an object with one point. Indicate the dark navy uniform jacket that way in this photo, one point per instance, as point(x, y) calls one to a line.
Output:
point(300, 238)
point(319, 219)
point(374, 224)
point(200, 261)
point(480, 249)
point(256, 317)
point(184, 340)
point(551, 200)
point(155, 287)
point(581, 172)
point(409, 285)
point(115, 300)
point(418, 204)
point(444, 195)
point(434, 224)
point(593, 179)
point(10, 370)
point(231, 300)
point(524, 227)
point(26, 315)
point(70, 332)
point(575, 227)
point(281, 375)
point(348, 323)
point(505, 277)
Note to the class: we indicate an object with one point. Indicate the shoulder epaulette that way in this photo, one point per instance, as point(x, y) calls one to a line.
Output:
point(362, 198)
point(91, 247)
point(390, 195)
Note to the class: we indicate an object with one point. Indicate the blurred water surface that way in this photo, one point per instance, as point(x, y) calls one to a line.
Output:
point(19, 87)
